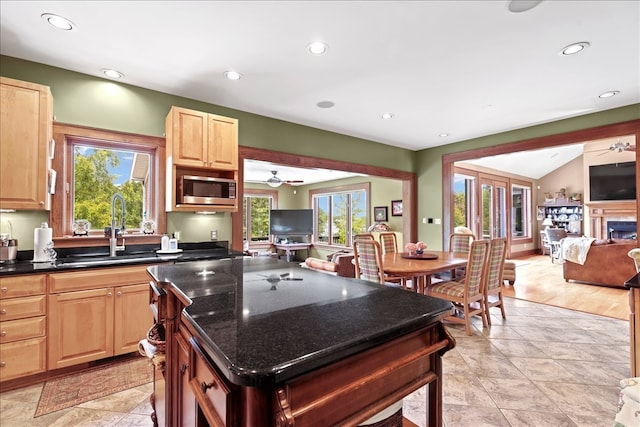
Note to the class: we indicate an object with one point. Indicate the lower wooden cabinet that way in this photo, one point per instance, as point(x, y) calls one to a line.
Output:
point(23, 310)
point(89, 320)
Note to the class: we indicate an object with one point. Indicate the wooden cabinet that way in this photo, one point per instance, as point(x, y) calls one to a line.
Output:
point(22, 326)
point(567, 215)
point(203, 144)
point(201, 140)
point(95, 314)
point(26, 122)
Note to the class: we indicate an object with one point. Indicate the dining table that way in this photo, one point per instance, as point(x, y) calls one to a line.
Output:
point(420, 267)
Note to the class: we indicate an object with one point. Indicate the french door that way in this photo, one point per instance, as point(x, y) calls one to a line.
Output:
point(493, 208)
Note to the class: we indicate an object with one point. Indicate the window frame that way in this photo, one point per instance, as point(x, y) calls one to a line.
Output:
point(527, 210)
point(66, 136)
point(256, 192)
point(329, 191)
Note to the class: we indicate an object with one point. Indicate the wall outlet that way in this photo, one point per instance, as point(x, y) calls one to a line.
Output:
point(214, 234)
point(437, 220)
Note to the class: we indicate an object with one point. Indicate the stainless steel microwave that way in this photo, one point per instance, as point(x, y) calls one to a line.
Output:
point(205, 190)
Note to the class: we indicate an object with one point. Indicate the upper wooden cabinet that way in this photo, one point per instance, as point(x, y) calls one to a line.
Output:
point(202, 140)
point(26, 125)
point(199, 144)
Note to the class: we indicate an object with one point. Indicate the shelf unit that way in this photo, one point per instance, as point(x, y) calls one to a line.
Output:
point(567, 215)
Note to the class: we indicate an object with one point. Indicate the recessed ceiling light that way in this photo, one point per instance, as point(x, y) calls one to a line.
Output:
point(325, 104)
point(387, 116)
point(232, 75)
point(517, 6)
point(609, 94)
point(574, 48)
point(443, 135)
point(58, 21)
point(112, 73)
point(317, 48)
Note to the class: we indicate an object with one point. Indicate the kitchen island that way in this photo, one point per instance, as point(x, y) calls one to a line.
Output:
point(261, 342)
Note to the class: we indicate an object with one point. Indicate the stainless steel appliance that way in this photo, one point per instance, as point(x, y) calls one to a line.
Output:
point(8, 249)
point(205, 190)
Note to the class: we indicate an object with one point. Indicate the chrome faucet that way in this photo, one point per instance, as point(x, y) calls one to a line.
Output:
point(113, 241)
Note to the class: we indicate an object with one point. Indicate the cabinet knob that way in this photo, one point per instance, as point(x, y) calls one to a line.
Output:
point(3, 311)
point(3, 333)
point(109, 294)
point(41, 203)
point(184, 368)
point(2, 364)
point(119, 293)
point(204, 386)
point(4, 290)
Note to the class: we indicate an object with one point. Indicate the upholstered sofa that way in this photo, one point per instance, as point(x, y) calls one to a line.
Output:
point(606, 264)
point(339, 264)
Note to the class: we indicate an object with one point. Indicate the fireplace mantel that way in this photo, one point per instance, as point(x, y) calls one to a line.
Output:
point(601, 212)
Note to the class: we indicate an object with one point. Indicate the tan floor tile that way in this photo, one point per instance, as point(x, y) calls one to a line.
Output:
point(465, 416)
point(518, 394)
point(519, 418)
point(465, 390)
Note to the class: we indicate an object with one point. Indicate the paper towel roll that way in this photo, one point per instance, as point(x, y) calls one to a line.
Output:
point(41, 237)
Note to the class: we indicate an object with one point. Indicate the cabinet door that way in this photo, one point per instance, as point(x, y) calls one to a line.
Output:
point(189, 137)
point(26, 114)
point(80, 327)
point(223, 143)
point(132, 317)
point(188, 413)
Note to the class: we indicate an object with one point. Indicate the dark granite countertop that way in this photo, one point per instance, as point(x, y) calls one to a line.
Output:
point(261, 327)
point(98, 257)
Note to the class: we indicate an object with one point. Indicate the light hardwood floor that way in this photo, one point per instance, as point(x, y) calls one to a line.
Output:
point(539, 280)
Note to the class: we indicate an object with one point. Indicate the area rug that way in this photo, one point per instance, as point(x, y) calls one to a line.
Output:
point(93, 383)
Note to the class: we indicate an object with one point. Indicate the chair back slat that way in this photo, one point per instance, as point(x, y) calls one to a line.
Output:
point(368, 260)
point(388, 242)
point(475, 267)
point(495, 263)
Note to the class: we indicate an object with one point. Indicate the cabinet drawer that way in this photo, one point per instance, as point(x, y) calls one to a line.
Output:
point(22, 286)
point(21, 358)
point(212, 393)
point(19, 308)
point(22, 329)
point(97, 278)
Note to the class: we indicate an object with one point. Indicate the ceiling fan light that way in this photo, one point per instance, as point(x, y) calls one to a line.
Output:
point(271, 182)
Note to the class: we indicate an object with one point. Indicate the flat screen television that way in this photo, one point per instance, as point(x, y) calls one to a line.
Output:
point(291, 222)
point(614, 181)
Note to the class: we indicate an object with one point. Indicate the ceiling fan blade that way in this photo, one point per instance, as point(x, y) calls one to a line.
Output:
point(296, 181)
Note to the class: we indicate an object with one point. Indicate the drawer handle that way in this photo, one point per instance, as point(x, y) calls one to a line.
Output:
point(204, 386)
point(183, 368)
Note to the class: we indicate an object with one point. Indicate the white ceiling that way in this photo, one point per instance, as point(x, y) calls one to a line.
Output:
point(466, 68)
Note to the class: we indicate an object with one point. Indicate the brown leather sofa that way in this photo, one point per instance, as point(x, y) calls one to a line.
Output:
point(341, 264)
point(607, 264)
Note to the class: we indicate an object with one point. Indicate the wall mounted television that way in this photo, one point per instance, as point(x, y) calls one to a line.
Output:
point(291, 222)
point(614, 181)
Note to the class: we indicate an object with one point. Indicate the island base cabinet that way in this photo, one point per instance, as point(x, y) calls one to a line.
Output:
point(22, 358)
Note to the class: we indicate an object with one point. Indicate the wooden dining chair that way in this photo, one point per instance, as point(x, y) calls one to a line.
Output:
point(459, 243)
point(468, 296)
point(368, 259)
point(389, 242)
point(493, 276)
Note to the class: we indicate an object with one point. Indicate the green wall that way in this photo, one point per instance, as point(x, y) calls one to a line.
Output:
point(91, 101)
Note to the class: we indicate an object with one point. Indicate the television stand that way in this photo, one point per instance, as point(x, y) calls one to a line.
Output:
point(291, 248)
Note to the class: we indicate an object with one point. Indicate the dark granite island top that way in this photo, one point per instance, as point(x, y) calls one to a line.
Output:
point(264, 322)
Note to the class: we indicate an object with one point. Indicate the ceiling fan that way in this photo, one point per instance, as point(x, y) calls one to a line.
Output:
point(274, 181)
point(619, 147)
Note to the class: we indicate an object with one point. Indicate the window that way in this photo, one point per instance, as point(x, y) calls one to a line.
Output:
point(340, 213)
point(463, 200)
point(520, 211)
point(256, 206)
point(95, 164)
point(100, 172)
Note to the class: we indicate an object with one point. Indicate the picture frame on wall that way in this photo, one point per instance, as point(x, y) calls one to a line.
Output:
point(380, 213)
point(396, 208)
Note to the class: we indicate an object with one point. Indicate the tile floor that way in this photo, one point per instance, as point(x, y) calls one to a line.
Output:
point(542, 366)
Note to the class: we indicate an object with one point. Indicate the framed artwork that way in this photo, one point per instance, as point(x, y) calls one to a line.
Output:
point(540, 213)
point(396, 208)
point(380, 213)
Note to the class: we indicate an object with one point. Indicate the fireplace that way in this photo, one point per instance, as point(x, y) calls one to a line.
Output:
point(622, 229)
